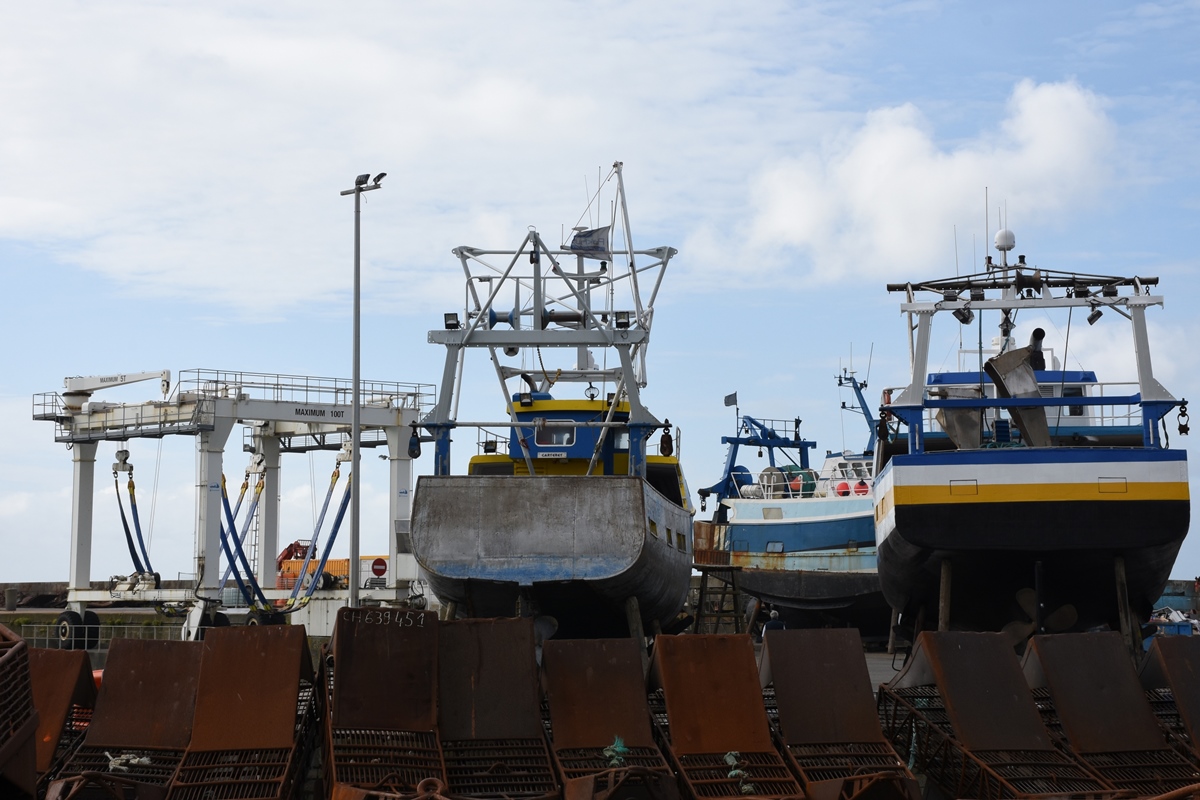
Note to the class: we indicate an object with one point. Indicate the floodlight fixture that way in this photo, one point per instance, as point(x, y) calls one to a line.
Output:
point(361, 180)
point(451, 320)
point(1095, 315)
point(378, 178)
point(621, 319)
point(964, 315)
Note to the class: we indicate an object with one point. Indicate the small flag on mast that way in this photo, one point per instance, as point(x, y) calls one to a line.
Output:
point(593, 243)
point(731, 399)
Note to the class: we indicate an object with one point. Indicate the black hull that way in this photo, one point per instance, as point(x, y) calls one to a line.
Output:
point(818, 599)
point(994, 550)
point(582, 609)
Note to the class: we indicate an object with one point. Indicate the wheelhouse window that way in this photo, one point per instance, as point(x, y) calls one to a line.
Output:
point(555, 437)
point(1073, 391)
point(774, 547)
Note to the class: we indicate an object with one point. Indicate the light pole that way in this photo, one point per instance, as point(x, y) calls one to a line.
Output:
point(360, 186)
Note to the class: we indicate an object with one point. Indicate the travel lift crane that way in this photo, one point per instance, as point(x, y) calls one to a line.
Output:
point(284, 414)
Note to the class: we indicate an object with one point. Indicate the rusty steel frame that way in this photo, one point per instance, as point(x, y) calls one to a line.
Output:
point(706, 677)
point(489, 711)
point(1090, 698)
point(1168, 675)
point(915, 722)
point(79, 718)
point(595, 695)
point(1144, 772)
point(64, 694)
point(142, 722)
point(1162, 703)
point(256, 722)
point(961, 712)
point(381, 744)
point(826, 721)
point(18, 718)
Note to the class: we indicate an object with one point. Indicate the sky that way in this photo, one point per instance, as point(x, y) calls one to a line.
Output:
point(170, 178)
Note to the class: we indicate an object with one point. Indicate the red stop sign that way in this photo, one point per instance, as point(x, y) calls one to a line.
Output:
point(379, 567)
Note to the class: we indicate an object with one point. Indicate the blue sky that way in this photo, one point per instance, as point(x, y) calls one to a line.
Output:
point(169, 181)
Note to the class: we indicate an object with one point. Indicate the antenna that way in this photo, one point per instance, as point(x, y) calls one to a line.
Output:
point(956, 251)
point(870, 356)
point(587, 195)
point(986, 248)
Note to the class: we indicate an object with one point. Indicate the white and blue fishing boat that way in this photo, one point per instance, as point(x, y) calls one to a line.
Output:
point(1020, 495)
point(802, 538)
point(568, 510)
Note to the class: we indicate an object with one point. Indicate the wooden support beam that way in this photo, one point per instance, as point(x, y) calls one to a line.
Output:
point(944, 596)
point(633, 616)
point(1131, 629)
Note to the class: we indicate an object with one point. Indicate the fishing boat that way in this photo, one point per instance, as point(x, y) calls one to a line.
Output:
point(1014, 494)
point(567, 511)
point(802, 538)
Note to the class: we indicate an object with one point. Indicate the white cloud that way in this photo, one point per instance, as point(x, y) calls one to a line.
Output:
point(15, 504)
point(883, 200)
point(199, 151)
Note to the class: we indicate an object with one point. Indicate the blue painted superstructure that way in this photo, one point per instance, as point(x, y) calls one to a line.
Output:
point(1021, 496)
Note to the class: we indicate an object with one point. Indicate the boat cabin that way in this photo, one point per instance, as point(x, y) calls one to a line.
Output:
point(1083, 425)
point(561, 438)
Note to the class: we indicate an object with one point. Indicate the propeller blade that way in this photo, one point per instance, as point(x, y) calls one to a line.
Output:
point(1027, 600)
point(1061, 618)
point(1017, 632)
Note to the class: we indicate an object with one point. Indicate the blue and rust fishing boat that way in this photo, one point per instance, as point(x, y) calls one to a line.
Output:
point(803, 539)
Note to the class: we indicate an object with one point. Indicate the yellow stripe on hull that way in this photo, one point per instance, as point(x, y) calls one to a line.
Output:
point(970, 492)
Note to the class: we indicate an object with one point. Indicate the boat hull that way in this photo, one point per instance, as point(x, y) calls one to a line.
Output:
point(825, 577)
point(572, 547)
point(818, 590)
point(996, 514)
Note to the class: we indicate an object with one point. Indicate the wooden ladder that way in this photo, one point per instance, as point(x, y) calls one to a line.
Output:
point(719, 600)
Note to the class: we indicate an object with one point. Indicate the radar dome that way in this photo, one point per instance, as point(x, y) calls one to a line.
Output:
point(1005, 240)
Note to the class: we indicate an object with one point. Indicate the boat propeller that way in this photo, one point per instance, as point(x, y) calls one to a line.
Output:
point(1057, 621)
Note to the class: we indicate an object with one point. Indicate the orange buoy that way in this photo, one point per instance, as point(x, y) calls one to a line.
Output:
point(861, 488)
point(843, 489)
